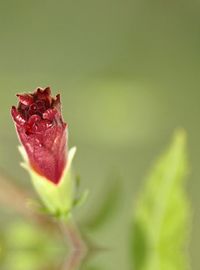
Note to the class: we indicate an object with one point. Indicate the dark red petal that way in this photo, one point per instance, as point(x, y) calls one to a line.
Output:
point(33, 119)
point(25, 99)
point(42, 132)
point(19, 120)
point(56, 103)
point(49, 114)
point(43, 94)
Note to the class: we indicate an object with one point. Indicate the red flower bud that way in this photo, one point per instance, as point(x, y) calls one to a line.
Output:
point(42, 132)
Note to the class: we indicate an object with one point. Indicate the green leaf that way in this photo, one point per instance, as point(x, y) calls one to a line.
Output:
point(110, 201)
point(81, 199)
point(161, 220)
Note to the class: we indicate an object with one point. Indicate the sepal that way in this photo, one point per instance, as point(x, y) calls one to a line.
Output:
point(58, 199)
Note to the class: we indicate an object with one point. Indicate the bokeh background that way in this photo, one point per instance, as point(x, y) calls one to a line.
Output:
point(128, 72)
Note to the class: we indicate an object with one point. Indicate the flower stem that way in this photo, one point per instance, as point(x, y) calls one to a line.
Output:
point(78, 248)
point(73, 235)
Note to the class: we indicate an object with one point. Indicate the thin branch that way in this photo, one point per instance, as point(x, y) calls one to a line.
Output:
point(77, 245)
point(16, 198)
point(73, 262)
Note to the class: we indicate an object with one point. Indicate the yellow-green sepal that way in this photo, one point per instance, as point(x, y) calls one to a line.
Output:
point(58, 199)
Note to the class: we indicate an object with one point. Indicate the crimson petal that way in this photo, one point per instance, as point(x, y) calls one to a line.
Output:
point(42, 132)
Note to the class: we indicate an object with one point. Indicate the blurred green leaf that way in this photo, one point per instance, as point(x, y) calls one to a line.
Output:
point(160, 227)
point(81, 199)
point(107, 207)
point(29, 247)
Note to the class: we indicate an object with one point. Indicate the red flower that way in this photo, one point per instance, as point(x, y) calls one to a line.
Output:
point(42, 132)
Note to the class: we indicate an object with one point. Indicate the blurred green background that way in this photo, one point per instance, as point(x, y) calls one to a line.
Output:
point(128, 72)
